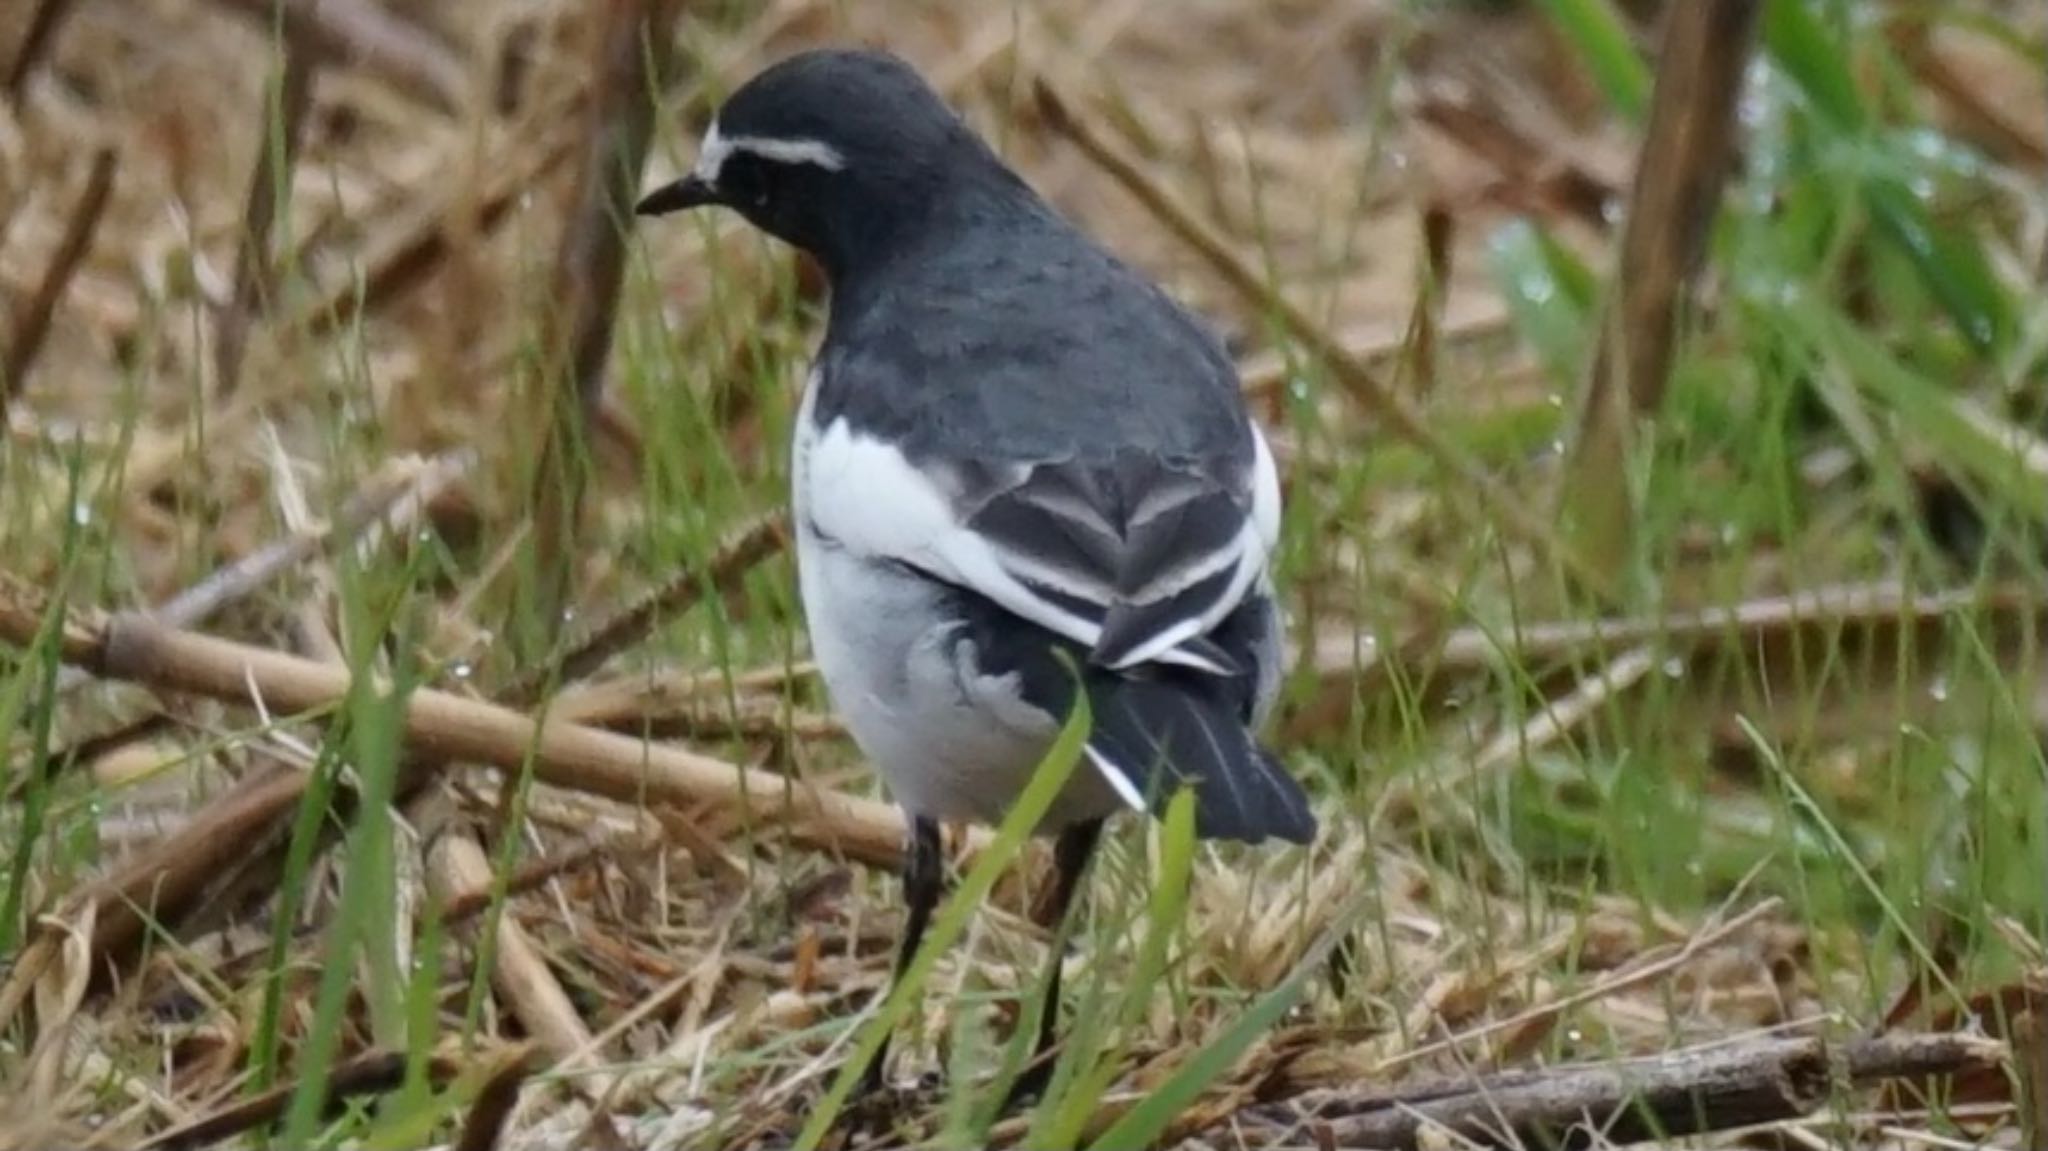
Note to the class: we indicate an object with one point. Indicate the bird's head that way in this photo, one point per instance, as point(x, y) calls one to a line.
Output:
point(831, 151)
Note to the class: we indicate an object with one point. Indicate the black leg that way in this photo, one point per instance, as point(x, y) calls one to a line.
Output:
point(924, 880)
point(1070, 856)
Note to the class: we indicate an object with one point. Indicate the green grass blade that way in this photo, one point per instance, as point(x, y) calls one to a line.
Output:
point(1046, 784)
point(1595, 30)
point(1933, 415)
point(1815, 59)
point(1143, 1124)
point(1165, 913)
point(1549, 296)
point(364, 918)
point(1949, 262)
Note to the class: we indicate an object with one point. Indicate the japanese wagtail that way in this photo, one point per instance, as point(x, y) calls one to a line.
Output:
point(1010, 445)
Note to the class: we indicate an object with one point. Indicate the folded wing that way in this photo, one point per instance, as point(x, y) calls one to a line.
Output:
point(1133, 558)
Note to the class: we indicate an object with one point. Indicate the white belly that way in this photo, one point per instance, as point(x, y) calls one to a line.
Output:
point(949, 742)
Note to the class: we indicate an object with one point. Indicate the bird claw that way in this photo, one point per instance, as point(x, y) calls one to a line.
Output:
point(1030, 1083)
point(874, 1108)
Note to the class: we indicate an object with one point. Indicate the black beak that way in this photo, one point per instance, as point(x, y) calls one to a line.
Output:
point(688, 192)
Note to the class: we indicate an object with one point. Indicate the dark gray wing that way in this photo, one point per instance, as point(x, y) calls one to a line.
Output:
point(1033, 422)
point(1134, 558)
point(1148, 554)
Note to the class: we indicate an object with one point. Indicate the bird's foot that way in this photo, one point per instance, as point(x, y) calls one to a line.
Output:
point(1031, 1082)
point(875, 1105)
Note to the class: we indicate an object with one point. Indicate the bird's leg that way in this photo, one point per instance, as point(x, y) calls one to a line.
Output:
point(924, 880)
point(1070, 856)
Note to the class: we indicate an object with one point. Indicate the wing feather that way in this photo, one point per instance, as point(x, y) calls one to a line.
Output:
point(1135, 558)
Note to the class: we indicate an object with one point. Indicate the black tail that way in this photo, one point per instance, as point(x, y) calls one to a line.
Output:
point(1158, 734)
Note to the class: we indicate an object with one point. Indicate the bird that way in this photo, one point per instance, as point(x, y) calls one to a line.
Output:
point(1019, 468)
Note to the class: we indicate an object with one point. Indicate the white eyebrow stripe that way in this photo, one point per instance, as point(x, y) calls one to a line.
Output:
point(718, 148)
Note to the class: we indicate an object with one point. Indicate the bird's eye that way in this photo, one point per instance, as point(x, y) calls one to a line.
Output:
point(744, 181)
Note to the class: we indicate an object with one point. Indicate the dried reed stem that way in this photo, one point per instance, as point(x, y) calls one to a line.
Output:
point(631, 65)
point(281, 127)
point(32, 316)
point(138, 649)
point(1659, 1097)
point(1688, 147)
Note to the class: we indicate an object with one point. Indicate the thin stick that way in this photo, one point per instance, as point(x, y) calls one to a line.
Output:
point(1687, 150)
point(1553, 722)
point(1612, 985)
point(167, 881)
point(1372, 394)
point(280, 127)
point(414, 60)
point(1872, 606)
point(739, 554)
point(452, 727)
point(32, 318)
point(404, 257)
point(461, 904)
point(518, 971)
point(485, 1123)
point(372, 1073)
point(397, 497)
point(632, 62)
point(42, 32)
point(455, 862)
point(164, 882)
point(1660, 1097)
point(138, 649)
point(1427, 315)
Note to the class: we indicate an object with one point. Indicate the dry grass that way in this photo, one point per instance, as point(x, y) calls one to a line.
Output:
point(320, 373)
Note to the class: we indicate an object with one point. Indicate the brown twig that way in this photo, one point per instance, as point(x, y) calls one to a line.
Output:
point(280, 128)
point(1419, 362)
point(1772, 631)
point(1468, 317)
point(42, 32)
point(163, 883)
point(1369, 391)
point(492, 1108)
point(167, 882)
point(172, 880)
point(1660, 1097)
point(459, 905)
point(407, 488)
point(450, 727)
point(356, 32)
point(1688, 147)
point(405, 256)
point(738, 554)
point(632, 63)
point(455, 862)
point(148, 725)
point(1647, 968)
point(372, 1073)
point(32, 316)
point(1520, 742)
point(2030, 1050)
point(518, 971)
